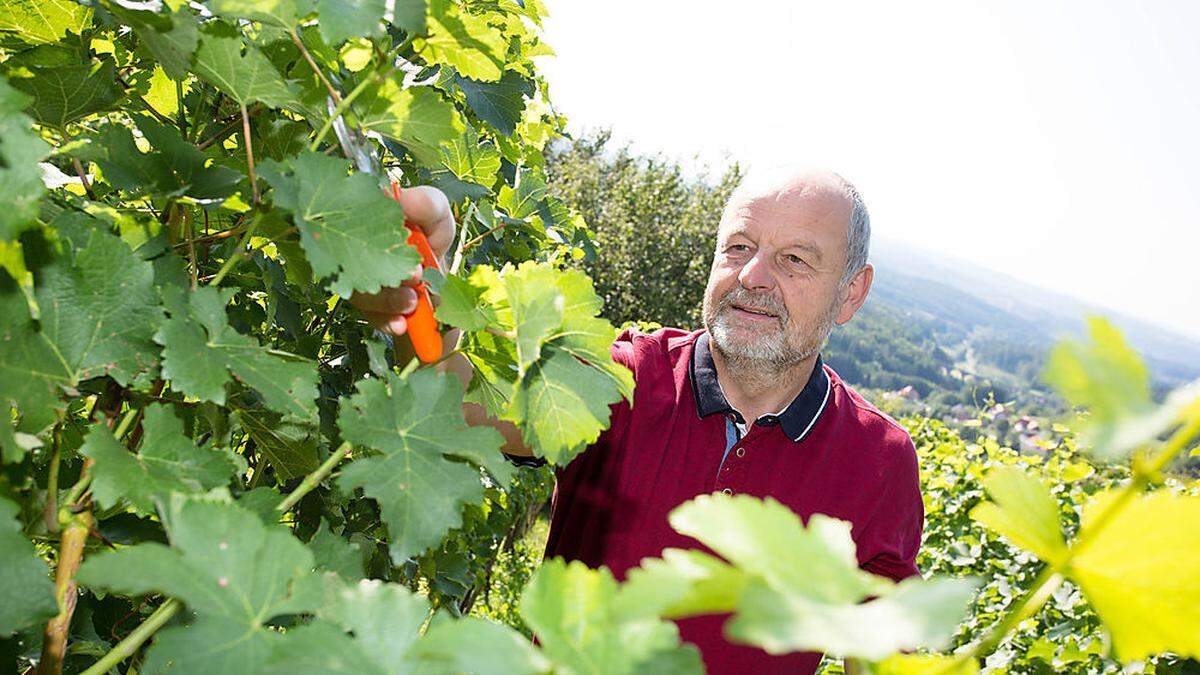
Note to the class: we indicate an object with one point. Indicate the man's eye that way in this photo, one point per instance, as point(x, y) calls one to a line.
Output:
point(795, 259)
point(738, 248)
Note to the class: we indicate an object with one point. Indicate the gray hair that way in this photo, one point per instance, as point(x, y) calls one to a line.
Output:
point(858, 230)
point(858, 233)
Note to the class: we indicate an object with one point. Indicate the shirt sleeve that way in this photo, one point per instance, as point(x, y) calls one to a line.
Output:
point(893, 537)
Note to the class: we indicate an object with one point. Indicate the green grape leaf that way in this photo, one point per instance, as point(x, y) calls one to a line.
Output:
point(587, 623)
point(522, 200)
point(925, 664)
point(30, 370)
point(349, 229)
point(692, 583)
point(232, 570)
point(473, 645)
point(461, 300)
point(98, 313)
point(26, 593)
point(65, 94)
point(334, 554)
point(386, 621)
point(1023, 511)
point(415, 116)
point(168, 462)
point(416, 425)
point(495, 362)
point(291, 448)
point(173, 167)
point(201, 351)
point(471, 158)
point(1139, 572)
point(460, 39)
point(499, 103)
point(386, 618)
point(1106, 376)
point(321, 648)
point(410, 15)
point(561, 406)
point(20, 151)
point(345, 19)
point(917, 613)
point(560, 384)
point(817, 606)
point(171, 38)
point(281, 13)
point(537, 307)
point(43, 21)
point(246, 77)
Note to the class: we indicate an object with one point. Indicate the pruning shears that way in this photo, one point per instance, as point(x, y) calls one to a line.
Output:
point(422, 327)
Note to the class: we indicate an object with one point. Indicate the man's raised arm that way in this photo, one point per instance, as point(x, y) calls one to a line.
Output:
point(427, 208)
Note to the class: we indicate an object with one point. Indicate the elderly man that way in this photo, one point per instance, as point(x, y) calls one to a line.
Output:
point(745, 406)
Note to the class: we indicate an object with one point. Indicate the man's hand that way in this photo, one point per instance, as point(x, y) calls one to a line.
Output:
point(425, 207)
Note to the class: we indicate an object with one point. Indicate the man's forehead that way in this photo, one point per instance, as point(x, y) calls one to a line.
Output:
point(811, 202)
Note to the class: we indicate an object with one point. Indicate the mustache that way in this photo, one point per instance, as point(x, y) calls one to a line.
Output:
point(741, 296)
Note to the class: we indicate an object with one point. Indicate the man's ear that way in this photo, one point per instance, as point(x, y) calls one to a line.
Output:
point(855, 293)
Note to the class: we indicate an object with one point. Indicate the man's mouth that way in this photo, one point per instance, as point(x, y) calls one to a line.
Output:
point(759, 311)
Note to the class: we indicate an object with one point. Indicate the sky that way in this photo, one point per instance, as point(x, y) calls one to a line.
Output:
point(1058, 142)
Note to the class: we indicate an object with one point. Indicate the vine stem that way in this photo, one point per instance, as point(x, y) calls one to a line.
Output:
point(78, 166)
point(51, 512)
point(54, 641)
point(314, 479)
point(237, 255)
point(127, 647)
point(1051, 576)
point(249, 152)
point(485, 235)
point(344, 105)
point(337, 98)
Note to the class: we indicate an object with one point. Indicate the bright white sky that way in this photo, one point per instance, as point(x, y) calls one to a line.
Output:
point(1056, 141)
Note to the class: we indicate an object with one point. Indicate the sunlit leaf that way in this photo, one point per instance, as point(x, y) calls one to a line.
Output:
point(463, 40)
point(1138, 570)
point(587, 623)
point(822, 604)
point(43, 21)
point(1106, 376)
point(1023, 511)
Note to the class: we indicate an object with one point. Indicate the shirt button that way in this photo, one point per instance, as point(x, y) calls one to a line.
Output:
point(740, 452)
point(727, 491)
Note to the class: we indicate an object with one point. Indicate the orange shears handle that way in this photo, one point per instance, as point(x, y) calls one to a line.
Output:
point(422, 326)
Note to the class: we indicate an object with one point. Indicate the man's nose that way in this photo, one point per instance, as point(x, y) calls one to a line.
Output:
point(756, 274)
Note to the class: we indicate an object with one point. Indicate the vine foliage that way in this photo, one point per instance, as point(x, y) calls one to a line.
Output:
point(225, 469)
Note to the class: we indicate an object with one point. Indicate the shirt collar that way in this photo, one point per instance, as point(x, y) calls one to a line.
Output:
point(797, 420)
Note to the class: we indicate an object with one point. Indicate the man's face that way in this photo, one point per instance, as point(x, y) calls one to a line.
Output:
point(773, 292)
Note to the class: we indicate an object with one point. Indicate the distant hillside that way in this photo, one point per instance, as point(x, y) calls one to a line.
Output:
point(1003, 318)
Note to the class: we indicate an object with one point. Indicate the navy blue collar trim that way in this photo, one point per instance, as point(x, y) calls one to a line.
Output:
point(797, 420)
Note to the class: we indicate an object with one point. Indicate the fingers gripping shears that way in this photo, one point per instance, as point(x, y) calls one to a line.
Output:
point(422, 327)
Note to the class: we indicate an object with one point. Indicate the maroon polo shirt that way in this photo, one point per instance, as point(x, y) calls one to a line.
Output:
point(828, 452)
